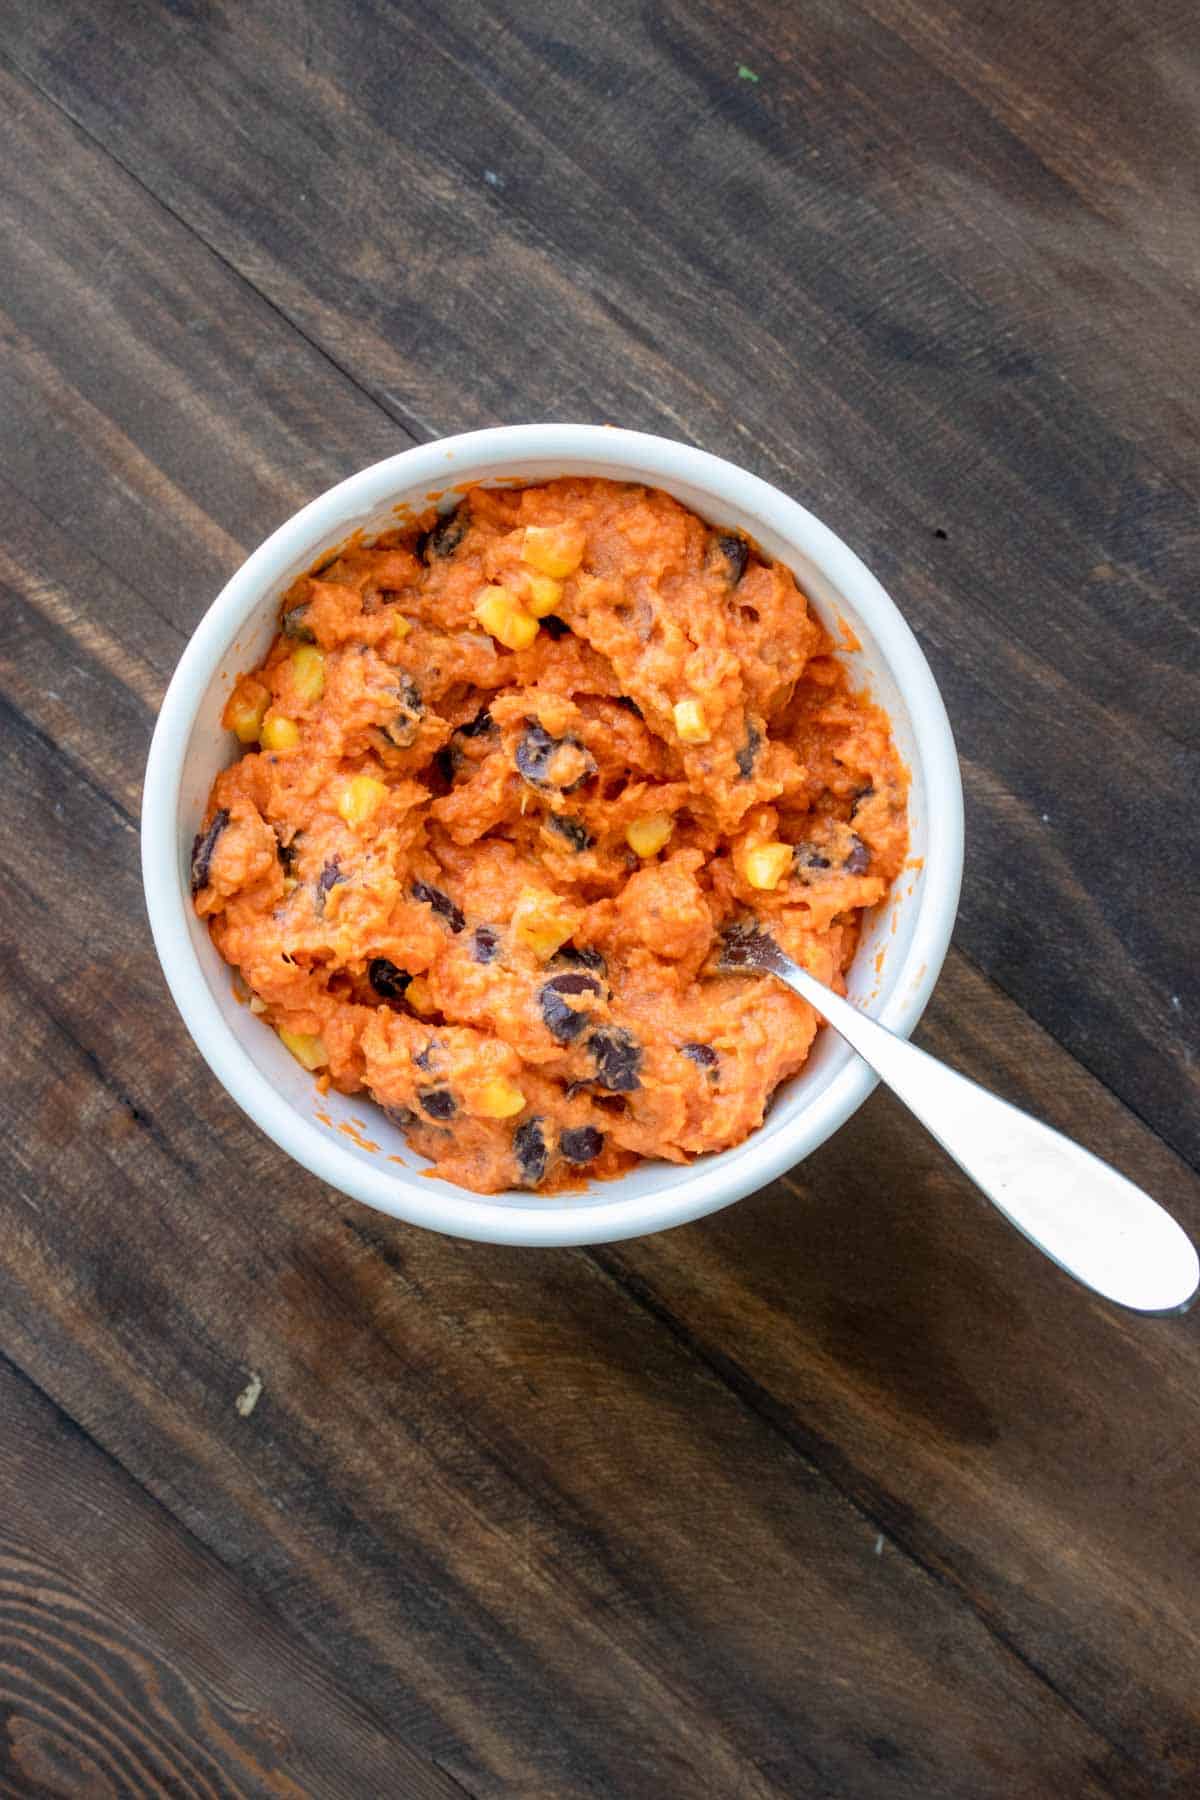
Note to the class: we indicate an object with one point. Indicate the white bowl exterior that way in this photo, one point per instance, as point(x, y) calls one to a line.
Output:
point(893, 973)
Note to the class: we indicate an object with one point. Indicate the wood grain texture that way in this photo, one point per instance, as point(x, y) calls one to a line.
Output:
point(136, 1664)
point(788, 271)
point(843, 1492)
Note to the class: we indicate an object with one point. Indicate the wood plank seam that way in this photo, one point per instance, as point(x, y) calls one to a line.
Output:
point(805, 1446)
point(40, 1001)
point(52, 612)
point(418, 429)
point(72, 1426)
point(999, 986)
point(24, 727)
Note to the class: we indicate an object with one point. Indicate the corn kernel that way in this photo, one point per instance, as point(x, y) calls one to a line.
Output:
point(308, 673)
point(540, 594)
point(307, 1048)
point(419, 995)
point(245, 710)
point(279, 733)
point(765, 865)
point(539, 926)
point(501, 614)
point(646, 836)
point(400, 625)
point(554, 549)
point(690, 724)
point(499, 1099)
point(360, 799)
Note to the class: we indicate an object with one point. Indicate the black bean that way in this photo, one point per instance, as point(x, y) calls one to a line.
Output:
point(402, 1117)
point(203, 846)
point(747, 756)
point(703, 1055)
point(437, 1102)
point(445, 766)
point(576, 981)
point(574, 830)
point(403, 729)
point(576, 958)
point(562, 1021)
point(536, 755)
point(861, 797)
point(807, 856)
point(294, 624)
point(581, 1143)
point(859, 859)
point(480, 725)
point(629, 705)
point(613, 1103)
point(736, 552)
point(441, 903)
point(618, 1059)
point(287, 852)
point(485, 942)
point(388, 981)
point(554, 627)
point(529, 1147)
point(444, 537)
point(329, 877)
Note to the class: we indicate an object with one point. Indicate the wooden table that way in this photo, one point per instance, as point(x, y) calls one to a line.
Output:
point(844, 1492)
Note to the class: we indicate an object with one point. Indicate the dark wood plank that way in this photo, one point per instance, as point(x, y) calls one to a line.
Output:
point(453, 1434)
point(152, 405)
point(882, 1320)
point(134, 1663)
point(493, 1475)
point(514, 212)
point(842, 1492)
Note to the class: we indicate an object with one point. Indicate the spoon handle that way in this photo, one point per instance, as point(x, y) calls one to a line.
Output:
point(1087, 1218)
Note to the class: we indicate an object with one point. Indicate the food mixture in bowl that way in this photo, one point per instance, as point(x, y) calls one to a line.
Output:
point(505, 779)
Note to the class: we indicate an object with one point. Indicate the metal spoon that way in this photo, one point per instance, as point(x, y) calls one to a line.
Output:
point(1087, 1218)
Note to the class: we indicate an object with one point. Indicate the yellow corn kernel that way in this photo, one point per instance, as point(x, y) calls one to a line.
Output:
point(499, 1098)
point(419, 995)
point(400, 625)
point(691, 726)
point(765, 865)
point(647, 836)
point(308, 673)
point(540, 594)
point(501, 614)
point(279, 733)
point(554, 549)
point(245, 710)
point(307, 1048)
point(539, 925)
point(360, 799)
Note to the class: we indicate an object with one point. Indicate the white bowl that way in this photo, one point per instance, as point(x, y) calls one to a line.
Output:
point(892, 976)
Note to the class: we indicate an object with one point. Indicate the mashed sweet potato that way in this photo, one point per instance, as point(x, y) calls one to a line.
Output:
point(505, 780)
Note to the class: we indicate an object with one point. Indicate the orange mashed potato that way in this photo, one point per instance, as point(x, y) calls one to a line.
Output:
point(505, 780)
